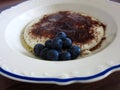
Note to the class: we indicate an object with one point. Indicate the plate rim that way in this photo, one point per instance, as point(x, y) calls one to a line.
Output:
point(61, 81)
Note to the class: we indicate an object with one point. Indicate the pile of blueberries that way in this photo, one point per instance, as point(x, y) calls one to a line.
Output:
point(59, 48)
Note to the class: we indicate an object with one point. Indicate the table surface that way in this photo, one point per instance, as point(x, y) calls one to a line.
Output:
point(112, 82)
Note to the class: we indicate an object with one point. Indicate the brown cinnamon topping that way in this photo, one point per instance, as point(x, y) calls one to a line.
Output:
point(78, 27)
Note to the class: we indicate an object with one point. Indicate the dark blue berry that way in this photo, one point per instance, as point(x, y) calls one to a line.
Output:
point(48, 43)
point(67, 43)
point(75, 51)
point(38, 48)
point(65, 55)
point(58, 48)
point(57, 43)
point(52, 55)
point(43, 53)
point(61, 35)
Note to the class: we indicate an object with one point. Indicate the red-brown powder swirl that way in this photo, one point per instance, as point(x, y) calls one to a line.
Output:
point(78, 27)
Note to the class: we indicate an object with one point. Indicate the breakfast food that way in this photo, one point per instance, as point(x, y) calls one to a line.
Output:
point(59, 48)
point(84, 31)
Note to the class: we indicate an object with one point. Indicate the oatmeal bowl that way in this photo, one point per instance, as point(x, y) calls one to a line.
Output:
point(60, 42)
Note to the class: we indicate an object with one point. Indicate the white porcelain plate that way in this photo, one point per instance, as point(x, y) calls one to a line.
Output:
point(17, 63)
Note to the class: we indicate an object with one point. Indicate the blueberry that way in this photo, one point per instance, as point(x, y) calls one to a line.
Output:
point(52, 55)
point(38, 48)
point(75, 51)
point(48, 43)
point(65, 55)
point(57, 43)
point(61, 35)
point(67, 43)
point(43, 53)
